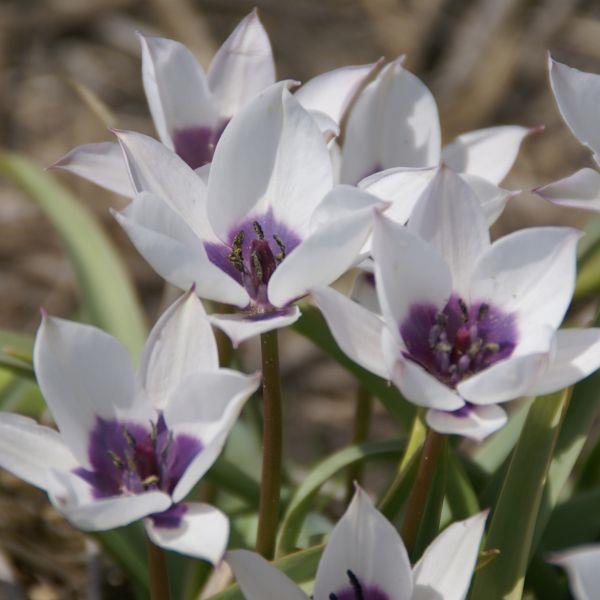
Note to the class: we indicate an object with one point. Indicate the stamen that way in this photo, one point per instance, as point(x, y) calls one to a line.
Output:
point(115, 459)
point(434, 336)
point(355, 583)
point(258, 230)
point(153, 432)
point(165, 450)
point(492, 347)
point(441, 319)
point(483, 310)
point(279, 257)
point(444, 347)
point(236, 257)
point(463, 309)
point(150, 480)
point(333, 596)
point(130, 439)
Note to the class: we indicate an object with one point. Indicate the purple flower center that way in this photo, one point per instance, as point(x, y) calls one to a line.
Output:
point(196, 145)
point(358, 591)
point(254, 251)
point(460, 340)
point(129, 458)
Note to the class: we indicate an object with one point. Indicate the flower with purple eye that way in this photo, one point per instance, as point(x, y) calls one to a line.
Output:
point(466, 324)
point(191, 108)
point(365, 559)
point(131, 446)
point(268, 225)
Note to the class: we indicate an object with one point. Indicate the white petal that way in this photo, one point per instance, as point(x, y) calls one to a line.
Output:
point(258, 579)
point(356, 330)
point(271, 154)
point(580, 190)
point(83, 373)
point(449, 217)
point(101, 163)
point(367, 544)
point(394, 123)
point(416, 384)
point(241, 327)
point(203, 533)
point(29, 450)
point(446, 568)
point(492, 198)
point(331, 92)
point(514, 376)
point(475, 422)
point(206, 405)
point(364, 291)
point(176, 88)
point(174, 251)
point(116, 511)
point(181, 342)
point(401, 261)
point(583, 568)
point(401, 186)
point(325, 254)
point(577, 356)
point(578, 96)
point(156, 169)
point(489, 153)
point(242, 67)
point(531, 271)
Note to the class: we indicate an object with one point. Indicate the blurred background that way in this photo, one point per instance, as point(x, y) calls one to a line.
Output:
point(484, 60)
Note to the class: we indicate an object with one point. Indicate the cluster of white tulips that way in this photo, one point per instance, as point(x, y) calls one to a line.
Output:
point(258, 196)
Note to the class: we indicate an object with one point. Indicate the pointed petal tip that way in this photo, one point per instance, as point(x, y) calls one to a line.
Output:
point(43, 313)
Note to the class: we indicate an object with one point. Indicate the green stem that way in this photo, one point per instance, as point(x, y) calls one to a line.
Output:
point(270, 486)
point(418, 494)
point(360, 432)
point(157, 572)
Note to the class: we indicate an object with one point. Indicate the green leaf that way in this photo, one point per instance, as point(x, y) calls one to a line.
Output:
point(301, 501)
point(231, 478)
point(299, 567)
point(515, 514)
point(16, 353)
point(106, 289)
point(313, 326)
point(461, 497)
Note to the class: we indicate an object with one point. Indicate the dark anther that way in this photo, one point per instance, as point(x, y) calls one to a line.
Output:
point(150, 480)
point(333, 596)
point(235, 256)
point(463, 309)
point(441, 319)
point(258, 230)
point(131, 462)
point(115, 459)
point(355, 583)
point(130, 439)
point(165, 450)
point(153, 432)
point(279, 257)
point(434, 335)
point(492, 347)
point(474, 348)
point(483, 310)
point(258, 270)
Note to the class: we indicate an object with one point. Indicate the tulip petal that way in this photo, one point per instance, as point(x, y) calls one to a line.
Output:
point(356, 330)
point(577, 95)
point(472, 421)
point(206, 405)
point(176, 88)
point(324, 255)
point(84, 373)
point(447, 565)
point(242, 67)
point(394, 123)
point(271, 154)
point(581, 565)
point(489, 153)
point(331, 92)
point(401, 259)
point(101, 163)
point(181, 342)
point(258, 579)
point(202, 532)
point(580, 190)
point(164, 239)
point(29, 450)
point(577, 356)
point(449, 217)
point(367, 544)
point(531, 271)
